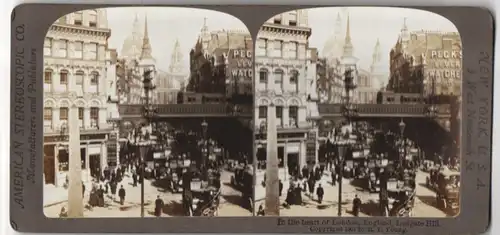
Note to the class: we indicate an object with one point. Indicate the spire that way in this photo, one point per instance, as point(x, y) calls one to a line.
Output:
point(376, 52)
point(338, 26)
point(176, 59)
point(136, 27)
point(348, 31)
point(146, 46)
point(204, 28)
point(405, 35)
point(348, 48)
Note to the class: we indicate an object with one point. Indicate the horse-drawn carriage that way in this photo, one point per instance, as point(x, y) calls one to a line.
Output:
point(402, 198)
point(431, 181)
point(447, 190)
point(176, 169)
point(203, 197)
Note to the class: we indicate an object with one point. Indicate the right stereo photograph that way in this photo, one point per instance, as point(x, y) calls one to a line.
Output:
point(357, 113)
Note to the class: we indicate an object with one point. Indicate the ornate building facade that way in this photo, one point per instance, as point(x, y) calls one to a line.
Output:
point(282, 60)
point(75, 75)
point(426, 62)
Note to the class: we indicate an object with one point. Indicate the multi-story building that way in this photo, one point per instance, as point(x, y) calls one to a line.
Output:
point(365, 91)
point(330, 81)
point(75, 65)
point(426, 62)
point(281, 62)
point(221, 62)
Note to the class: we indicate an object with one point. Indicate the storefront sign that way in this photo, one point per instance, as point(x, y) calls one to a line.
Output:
point(445, 64)
point(65, 138)
point(240, 63)
point(292, 149)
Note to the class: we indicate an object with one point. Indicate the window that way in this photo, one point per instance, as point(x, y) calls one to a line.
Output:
point(63, 48)
point(278, 78)
point(47, 77)
point(279, 115)
point(262, 111)
point(93, 18)
point(47, 114)
point(63, 114)
point(293, 50)
point(78, 18)
point(78, 50)
point(278, 46)
point(262, 47)
point(277, 19)
point(293, 18)
point(263, 76)
point(79, 78)
point(47, 47)
point(94, 116)
point(92, 51)
point(63, 77)
point(94, 78)
point(293, 114)
point(294, 78)
point(80, 113)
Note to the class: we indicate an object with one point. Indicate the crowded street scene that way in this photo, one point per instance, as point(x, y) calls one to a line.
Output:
point(369, 172)
point(159, 126)
point(179, 178)
point(377, 132)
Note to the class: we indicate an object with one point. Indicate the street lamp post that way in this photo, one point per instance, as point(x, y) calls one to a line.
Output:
point(341, 148)
point(402, 127)
point(149, 112)
point(204, 159)
point(348, 111)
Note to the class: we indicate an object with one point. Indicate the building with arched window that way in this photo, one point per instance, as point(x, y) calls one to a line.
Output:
point(75, 61)
point(285, 76)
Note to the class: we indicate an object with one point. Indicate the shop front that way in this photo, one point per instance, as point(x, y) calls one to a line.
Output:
point(297, 149)
point(93, 154)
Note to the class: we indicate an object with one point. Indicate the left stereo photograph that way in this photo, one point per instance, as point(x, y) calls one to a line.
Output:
point(148, 113)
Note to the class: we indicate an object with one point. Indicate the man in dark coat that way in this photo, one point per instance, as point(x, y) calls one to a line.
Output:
point(134, 179)
point(113, 185)
point(311, 183)
point(334, 178)
point(100, 195)
point(320, 192)
point(158, 206)
point(121, 194)
point(356, 204)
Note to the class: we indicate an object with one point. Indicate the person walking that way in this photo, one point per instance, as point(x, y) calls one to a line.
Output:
point(320, 193)
point(121, 194)
point(158, 206)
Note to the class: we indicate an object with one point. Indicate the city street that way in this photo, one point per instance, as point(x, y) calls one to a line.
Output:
point(132, 207)
point(425, 202)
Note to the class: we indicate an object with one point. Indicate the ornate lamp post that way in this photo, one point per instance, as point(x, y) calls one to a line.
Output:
point(149, 113)
point(204, 159)
point(348, 111)
point(402, 127)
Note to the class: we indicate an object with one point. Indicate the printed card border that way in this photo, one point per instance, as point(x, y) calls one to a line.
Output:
point(476, 27)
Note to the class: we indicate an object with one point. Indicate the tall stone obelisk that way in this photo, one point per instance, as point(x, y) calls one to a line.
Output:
point(75, 195)
point(272, 178)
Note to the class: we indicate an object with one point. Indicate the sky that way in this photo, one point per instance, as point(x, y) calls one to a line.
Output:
point(369, 23)
point(165, 25)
